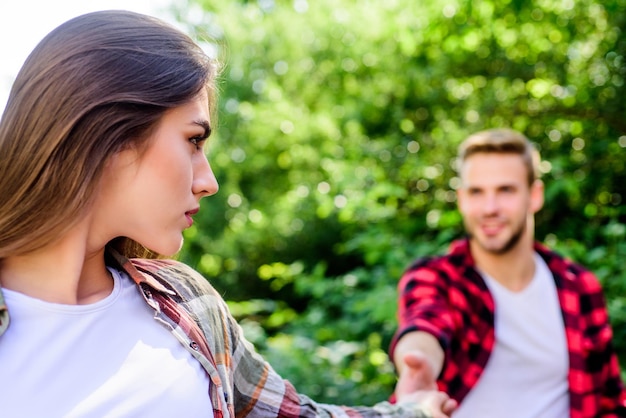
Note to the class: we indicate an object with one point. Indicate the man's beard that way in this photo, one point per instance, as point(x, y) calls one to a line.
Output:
point(508, 246)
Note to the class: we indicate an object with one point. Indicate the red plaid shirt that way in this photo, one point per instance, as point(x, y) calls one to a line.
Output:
point(447, 297)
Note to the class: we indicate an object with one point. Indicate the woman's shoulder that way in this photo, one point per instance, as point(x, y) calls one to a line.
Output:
point(177, 276)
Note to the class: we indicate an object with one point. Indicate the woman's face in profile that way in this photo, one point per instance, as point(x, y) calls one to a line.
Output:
point(151, 195)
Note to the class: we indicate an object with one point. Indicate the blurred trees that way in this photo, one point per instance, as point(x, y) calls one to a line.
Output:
point(338, 126)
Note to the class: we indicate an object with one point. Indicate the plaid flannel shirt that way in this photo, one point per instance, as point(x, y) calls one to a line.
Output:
point(242, 384)
point(446, 297)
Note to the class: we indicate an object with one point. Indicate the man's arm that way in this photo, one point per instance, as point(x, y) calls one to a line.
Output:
point(418, 358)
point(422, 342)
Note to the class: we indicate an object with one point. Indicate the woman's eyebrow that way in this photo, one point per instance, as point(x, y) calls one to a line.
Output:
point(205, 125)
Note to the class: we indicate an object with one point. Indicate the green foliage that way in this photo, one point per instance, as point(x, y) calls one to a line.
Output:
point(338, 126)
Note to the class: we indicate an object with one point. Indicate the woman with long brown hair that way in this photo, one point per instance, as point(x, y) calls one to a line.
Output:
point(102, 167)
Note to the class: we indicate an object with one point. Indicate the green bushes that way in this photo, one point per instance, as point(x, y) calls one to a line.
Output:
point(338, 125)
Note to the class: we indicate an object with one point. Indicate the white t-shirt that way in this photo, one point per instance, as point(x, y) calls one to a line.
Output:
point(106, 359)
point(526, 375)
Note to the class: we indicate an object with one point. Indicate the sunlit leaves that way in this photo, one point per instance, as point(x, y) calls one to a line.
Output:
point(335, 147)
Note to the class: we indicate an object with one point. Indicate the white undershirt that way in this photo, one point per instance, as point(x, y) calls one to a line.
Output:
point(526, 375)
point(106, 359)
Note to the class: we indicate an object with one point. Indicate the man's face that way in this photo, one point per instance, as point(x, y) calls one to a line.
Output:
point(496, 201)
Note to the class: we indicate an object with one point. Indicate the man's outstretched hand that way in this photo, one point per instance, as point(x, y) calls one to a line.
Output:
point(417, 382)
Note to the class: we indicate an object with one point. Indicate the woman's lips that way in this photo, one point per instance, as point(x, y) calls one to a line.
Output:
point(189, 215)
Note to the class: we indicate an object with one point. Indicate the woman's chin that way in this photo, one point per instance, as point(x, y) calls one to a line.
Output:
point(168, 249)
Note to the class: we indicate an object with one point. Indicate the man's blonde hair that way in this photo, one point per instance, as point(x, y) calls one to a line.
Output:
point(502, 141)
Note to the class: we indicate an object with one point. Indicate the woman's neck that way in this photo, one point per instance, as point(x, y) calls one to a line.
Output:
point(65, 272)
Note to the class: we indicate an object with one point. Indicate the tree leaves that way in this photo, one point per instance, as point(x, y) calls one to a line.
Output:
point(338, 127)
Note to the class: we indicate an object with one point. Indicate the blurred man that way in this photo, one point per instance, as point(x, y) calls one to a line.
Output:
point(504, 325)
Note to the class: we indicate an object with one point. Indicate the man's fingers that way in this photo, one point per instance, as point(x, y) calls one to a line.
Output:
point(444, 405)
point(418, 362)
point(436, 403)
point(449, 406)
point(418, 375)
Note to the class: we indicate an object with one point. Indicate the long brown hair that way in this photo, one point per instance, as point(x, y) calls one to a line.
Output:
point(95, 85)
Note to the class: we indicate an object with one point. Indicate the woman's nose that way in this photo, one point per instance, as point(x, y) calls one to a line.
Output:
point(204, 181)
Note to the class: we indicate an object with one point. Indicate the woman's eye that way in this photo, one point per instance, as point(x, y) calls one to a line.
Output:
point(197, 141)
